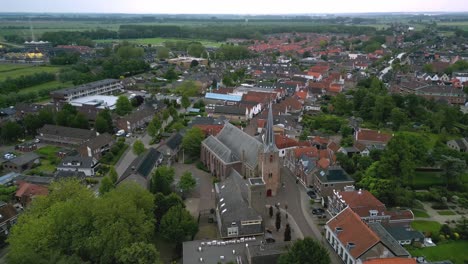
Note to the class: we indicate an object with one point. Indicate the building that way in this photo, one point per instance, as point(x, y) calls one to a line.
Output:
point(391, 261)
point(96, 147)
point(65, 136)
point(252, 157)
point(187, 61)
point(143, 167)
point(334, 178)
point(22, 163)
point(42, 46)
point(369, 137)
point(102, 87)
point(458, 144)
point(171, 147)
point(8, 217)
point(95, 102)
point(244, 250)
point(355, 242)
point(87, 165)
point(27, 191)
point(239, 206)
point(134, 120)
point(368, 207)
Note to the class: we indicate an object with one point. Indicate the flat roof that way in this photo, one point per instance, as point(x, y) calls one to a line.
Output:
point(224, 97)
point(100, 101)
point(86, 86)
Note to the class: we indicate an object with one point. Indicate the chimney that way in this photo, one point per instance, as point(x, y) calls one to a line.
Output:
point(360, 191)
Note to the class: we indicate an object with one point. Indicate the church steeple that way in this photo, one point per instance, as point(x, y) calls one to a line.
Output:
point(269, 137)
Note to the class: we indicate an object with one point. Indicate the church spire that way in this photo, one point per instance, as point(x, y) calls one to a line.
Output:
point(269, 138)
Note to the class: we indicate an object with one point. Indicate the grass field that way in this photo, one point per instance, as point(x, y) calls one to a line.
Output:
point(55, 85)
point(160, 41)
point(446, 212)
point(17, 70)
point(426, 179)
point(460, 24)
point(420, 213)
point(426, 226)
point(453, 250)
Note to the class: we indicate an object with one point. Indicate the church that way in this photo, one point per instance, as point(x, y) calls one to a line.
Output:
point(251, 157)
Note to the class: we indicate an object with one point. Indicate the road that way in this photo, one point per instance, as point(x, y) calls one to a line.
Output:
point(295, 196)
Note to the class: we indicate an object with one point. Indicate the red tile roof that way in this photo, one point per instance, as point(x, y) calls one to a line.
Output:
point(29, 189)
point(261, 123)
point(319, 69)
point(324, 163)
point(391, 261)
point(309, 151)
point(354, 230)
point(210, 129)
point(284, 142)
point(333, 146)
point(362, 202)
point(301, 95)
point(372, 135)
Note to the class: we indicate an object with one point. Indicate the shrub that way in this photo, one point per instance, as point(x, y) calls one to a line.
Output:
point(201, 166)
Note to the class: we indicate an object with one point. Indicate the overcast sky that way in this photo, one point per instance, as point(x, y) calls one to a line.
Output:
point(232, 6)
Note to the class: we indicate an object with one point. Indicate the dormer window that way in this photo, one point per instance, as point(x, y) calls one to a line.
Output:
point(373, 213)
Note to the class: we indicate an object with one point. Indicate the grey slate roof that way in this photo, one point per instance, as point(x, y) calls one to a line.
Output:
point(67, 131)
point(335, 174)
point(76, 162)
point(149, 162)
point(234, 193)
point(85, 87)
point(401, 233)
point(220, 150)
point(25, 159)
point(238, 142)
point(69, 174)
point(388, 240)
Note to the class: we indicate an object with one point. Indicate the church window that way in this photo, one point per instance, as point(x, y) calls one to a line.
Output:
point(271, 158)
point(270, 175)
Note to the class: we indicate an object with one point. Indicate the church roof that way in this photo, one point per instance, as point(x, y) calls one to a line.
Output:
point(269, 139)
point(219, 149)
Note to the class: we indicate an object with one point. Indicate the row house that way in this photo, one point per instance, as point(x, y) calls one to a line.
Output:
point(136, 119)
point(64, 136)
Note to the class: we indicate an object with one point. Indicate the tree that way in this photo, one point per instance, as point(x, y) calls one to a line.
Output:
point(185, 102)
point(89, 228)
point(162, 53)
point(194, 63)
point(138, 147)
point(287, 233)
point(305, 251)
point(113, 174)
point(278, 221)
point(162, 180)
point(106, 185)
point(270, 211)
point(11, 131)
point(139, 253)
point(398, 118)
point(163, 203)
point(428, 68)
point(177, 225)
point(191, 143)
point(195, 49)
point(123, 106)
point(101, 124)
point(187, 182)
point(453, 168)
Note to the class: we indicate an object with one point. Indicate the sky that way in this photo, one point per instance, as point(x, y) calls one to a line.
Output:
point(231, 6)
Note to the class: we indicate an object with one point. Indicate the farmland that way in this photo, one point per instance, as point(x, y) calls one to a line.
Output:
point(17, 70)
point(160, 41)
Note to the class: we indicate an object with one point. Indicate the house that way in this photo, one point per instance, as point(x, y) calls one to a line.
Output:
point(325, 181)
point(404, 236)
point(234, 113)
point(137, 119)
point(371, 137)
point(460, 145)
point(368, 207)
point(391, 261)
point(240, 206)
point(107, 86)
point(171, 147)
point(64, 136)
point(27, 191)
point(355, 242)
point(96, 147)
point(8, 217)
point(143, 168)
point(22, 163)
point(87, 165)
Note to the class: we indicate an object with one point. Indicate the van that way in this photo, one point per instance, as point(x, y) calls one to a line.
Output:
point(120, 133)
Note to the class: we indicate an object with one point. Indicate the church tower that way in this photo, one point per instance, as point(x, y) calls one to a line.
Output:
point(269, 161)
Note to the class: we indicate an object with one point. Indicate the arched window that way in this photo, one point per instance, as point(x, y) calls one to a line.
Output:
point(271, 158)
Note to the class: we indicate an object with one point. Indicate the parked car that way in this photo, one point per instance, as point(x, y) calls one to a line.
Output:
point(321, 216)
point(312, 194)
point(37, 140)
point(318, 211)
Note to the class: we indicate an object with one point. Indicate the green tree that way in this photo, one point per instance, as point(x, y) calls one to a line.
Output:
point(162, 53)
point(89, 228)
point(287, 233)
point(453, 168)
point(11, 131)
point(398, 118)
point(187, 182)
point(139, 253)
point(428, 68)
point(123, 106)
point(305, 251)
point(163, 203)
point(177, 225)
point(138, 147)
point(106, 185)
point(162, 180)
point(101, 125)
point(185, 102)
point(191, 143)
point(195, 49)
point(113, 174)
point(341, 105)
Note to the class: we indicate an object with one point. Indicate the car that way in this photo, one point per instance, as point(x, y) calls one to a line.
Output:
point(129, 135)
point(321, 216)
point(37, 140)
point(311, 194)
point(318, 211)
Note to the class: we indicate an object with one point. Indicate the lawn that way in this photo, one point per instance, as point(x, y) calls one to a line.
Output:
point(19, 70)
point(426, 226)
point(159, 41)
point(446, 212)
point(453, 250)
point(427, 179)
point(420, 213)
point(48, 151)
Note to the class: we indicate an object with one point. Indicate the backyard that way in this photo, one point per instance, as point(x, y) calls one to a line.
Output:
point(452, 250)
point(49, 160)
point(426, 226)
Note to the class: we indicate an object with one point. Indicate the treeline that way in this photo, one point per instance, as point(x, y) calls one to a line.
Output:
point(15, 84)
point(79, 37)
point(13, 98)
point(222, 32)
